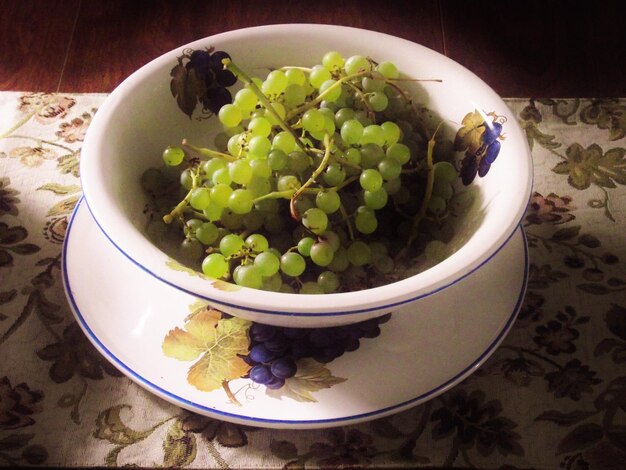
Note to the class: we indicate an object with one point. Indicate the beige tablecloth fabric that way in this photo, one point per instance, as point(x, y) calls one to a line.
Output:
point(553, 396)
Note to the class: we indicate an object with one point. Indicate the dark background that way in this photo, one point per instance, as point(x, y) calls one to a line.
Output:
point(520, 48)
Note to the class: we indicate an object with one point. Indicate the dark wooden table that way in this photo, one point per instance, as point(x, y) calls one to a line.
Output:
point(522, 49)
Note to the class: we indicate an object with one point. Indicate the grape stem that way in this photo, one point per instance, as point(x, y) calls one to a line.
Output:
point(206, 152)
point(319, 98)
point(230, 394)
point(359, 93)
point(430, 180)
point(180, 207)
point(321, 167)
point(229, 65)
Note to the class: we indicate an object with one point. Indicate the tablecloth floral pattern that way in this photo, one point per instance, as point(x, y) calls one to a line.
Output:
point(553, 395)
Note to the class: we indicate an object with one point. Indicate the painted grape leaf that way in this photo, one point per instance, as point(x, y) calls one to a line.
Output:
point(468, 136)
point(312, 376)
point(220, 342)
point(186, 87)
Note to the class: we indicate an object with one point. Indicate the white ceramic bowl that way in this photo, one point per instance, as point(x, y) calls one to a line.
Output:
point(140, 118)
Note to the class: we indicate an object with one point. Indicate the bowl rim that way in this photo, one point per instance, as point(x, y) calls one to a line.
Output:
point(283, 304)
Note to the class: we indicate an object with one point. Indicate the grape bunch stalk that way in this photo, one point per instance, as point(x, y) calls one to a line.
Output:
point(321, 180)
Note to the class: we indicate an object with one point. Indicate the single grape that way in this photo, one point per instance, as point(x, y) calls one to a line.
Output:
point(333, 60)
point(260, 374)
point(186, 179)
point(304, 246)
point(357, 63)
point(371, 155)
point(207, 233)
point(399, 152)
point(491, 133)
point(373, 134)
point(351, 131)
point(231, 244)
point(365, 220)
point(221, 176)
point(230, 115)
point(245, 99)
point(259, 146)
point(284, 141)
point(288, 182)
point(359, 253)
point(241, 201)
point(492, 151)
point(328, 200)
point(445, 172)
point(215, 265)
point(315, 220)
point(313, 120)
point(333, 94)
point(370, 180)
point(200, 198)
point(343, 115)
point(294, 95)
point(292, 264)
point(334, 174)
point(260, 354)
point(257, 243)
point(284, 368)
point(388, 70)
point(248, 276)
point(173, 156)
point(391, 131)
point(295, 76)
point(277, 159)
point(298, 162)
point(259, 126)
point(378, 101)
point(319, 74)
point(240, 171)
point(375, 199)
point(328, 281)
point(267, 262)
point(322, 253)
point(389, 168)
point(275, 82)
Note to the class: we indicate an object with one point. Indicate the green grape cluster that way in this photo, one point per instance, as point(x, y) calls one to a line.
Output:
point(318, 182)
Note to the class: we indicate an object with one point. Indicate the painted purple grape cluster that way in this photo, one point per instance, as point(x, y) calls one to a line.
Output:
point(274, 351)
point(478, 163)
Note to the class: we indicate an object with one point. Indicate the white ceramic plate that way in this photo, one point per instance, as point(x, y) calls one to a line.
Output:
point(127, 314)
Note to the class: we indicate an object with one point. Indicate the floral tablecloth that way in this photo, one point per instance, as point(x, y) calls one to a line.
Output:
point(552, 396)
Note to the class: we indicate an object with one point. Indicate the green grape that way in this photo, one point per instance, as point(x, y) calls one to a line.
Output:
point(277, 159)
point(220, 194)
point(292, 264)
point(328, 281)
point(370, 179)
point(231, 244)
point(193, 224)
point(436, 204)
point(340, 261)
point(272, 283)
point(378, 101)
point(267, 205)
point(392, 186)
point(365, 220)
point(304, 246)
point(356, 64)
point(363, 117)
point(191, 249)
point(315, 220)
point(375, 199)
point(259, 126)
point(332, 95)
point(257, 243)
point(332, 238)
point(280, 110)
point(213, 212)
point(385, 264)
point(294, 95)
point(359, 253)
point(374, 83)
point(267, 262)
point(303, 203)
point(245, 99)
point(353, 155)
point(230, 219)
point(221, 141)
point(313, 120)
point(284, 141)
point(295, 76)
point(253, 220)
point(206, 233)
point(319, 74)
point(261, 168)
point(200, 198)
point(445, 172)
point(334, 174)
point(236, 144)
point(328, 200)
point(173, 156)
point(241, 201)
point(378, 250)
point(240, 171)
point(333, 60)
point(230, 115)
point(343, 115)
point(215, 265)
point(211, 166)
point(391, 131)
point(351, 132)
point(389, 168)
point(186, 179)
point(373, 134)
point(298, 162)
point(275, 82)
point(388, 70)
point(311, 288)
point(442, 189)
point(371, 155)
point(288, 182)
point(436, 251)
point(259, 147)
point(322, 253)
point(248, 275)
point(399, 152)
